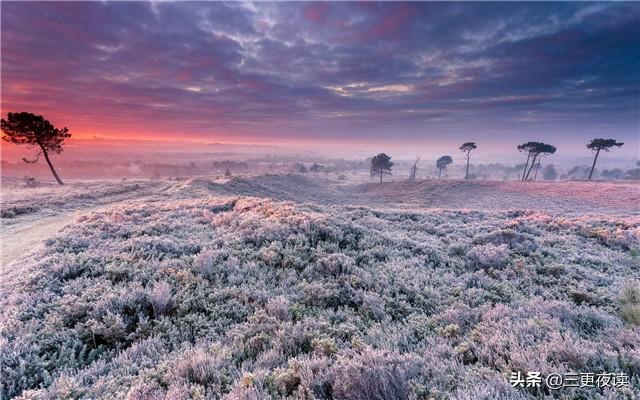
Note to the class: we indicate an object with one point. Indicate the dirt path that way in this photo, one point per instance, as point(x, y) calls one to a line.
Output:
point(25, 236)
point(22, 239)
point(28, 234)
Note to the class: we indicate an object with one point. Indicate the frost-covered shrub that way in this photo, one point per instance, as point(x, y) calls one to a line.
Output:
point(494, 389)
point(160, 298)
point(278, 307)
point(206, 367)
point(211, 263)
point(204, 263)
point(629, 238)
point(146, 391)
point(489, 255)
point(331, 265)
point(381, 375)
point(109, 328)
point(517, 241)
point(374, 306)
point(247, 298)
point(14, 211)
point(458, 249)
point(630, 303)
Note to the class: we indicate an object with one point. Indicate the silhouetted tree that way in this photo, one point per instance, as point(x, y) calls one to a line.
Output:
point(534, 151)
point(612, 174)
point(535, 175)
point(539, 152)
point(381, 165)
point(35, 130)
point(316, 168)
point(467, 148)
point(600, 144)
point(507, 172)
point(578, 172)
point(549, 173)
point(442, 164)
point(632, 174)
point(516, 170)
point(227, 173)
point(526, 147)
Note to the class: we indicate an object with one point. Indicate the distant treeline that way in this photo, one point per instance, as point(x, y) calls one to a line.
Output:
point(101, 169)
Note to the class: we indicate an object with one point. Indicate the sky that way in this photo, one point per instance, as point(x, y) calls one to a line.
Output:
point(398, 74)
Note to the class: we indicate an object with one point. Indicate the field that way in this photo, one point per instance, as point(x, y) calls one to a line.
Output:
point(291, 286)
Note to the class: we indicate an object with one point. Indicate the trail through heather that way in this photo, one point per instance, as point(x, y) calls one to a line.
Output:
point(27, 233)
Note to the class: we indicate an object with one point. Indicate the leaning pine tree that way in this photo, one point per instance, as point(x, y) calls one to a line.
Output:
point(36, 131)
point(381, 165)
point(600, 144)
point(534, 150)
point(526, 148)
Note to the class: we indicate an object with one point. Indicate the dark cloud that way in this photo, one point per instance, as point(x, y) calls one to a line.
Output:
point(326, 69)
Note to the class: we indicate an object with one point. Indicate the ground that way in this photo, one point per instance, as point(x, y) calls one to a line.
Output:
point(285, 286)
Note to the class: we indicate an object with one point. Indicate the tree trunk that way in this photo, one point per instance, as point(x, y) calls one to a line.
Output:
point(439, 173)
point(524, 171)
point(533, 162)
point(380, 175)
point(53, 171)
point(466, 175)
point(593, 166)
point(535, 176)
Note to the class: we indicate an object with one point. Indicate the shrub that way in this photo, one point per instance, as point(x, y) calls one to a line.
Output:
point(206, 367)
point(160, 298)
point(629, 301)
point(12, 212)
point(146, 391)
point(381, 375)
point(278, 307)
point(248, 298)
point(489, 255)
point(333, 265)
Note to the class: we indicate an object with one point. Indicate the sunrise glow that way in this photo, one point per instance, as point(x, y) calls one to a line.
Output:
point(325, 72)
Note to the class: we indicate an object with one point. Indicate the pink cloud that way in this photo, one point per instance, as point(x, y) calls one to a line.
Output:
point(392, 25)
point(316, 12)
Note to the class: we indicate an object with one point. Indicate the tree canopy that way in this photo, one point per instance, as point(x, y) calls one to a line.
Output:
point(603, 144)
point(528, 146)
point(537, 148)
point(599, 144)
point(35, 130)
point(534, 151)
point(549, 173)
point(468, 147)
point(442, 163)
point(316, 168)
point(381, 165)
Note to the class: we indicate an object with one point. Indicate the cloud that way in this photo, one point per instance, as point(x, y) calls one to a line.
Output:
point(310, 69)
